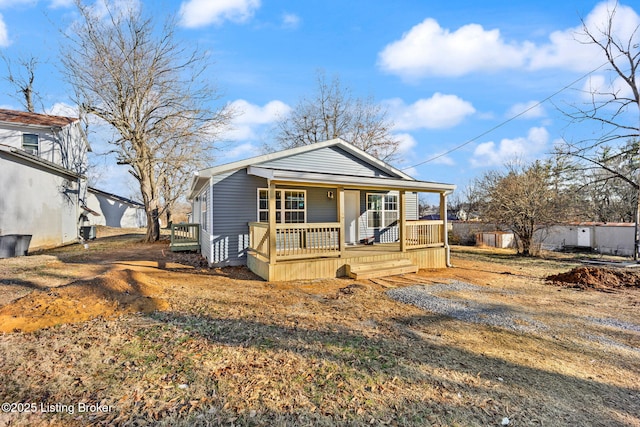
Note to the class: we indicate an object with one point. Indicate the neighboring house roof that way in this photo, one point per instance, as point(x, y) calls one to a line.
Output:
point(23, 117)
point(16, 152)
point(120, 199)
point(451, 216)
point(397, 179)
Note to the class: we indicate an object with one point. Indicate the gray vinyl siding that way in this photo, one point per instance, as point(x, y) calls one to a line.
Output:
point(327, 160)
point(234, 206)
point(205, 234)
point(321, 208)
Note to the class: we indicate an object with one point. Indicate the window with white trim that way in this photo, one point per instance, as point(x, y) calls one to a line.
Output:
point(30, 143)
point(203, 210)
point(291, 206)
point(382, 210)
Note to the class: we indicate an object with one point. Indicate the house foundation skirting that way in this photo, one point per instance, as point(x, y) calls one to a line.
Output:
point(320, 268)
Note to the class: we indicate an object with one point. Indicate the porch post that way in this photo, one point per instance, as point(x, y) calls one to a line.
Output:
point(403, 221)
point(272, 223)
point(445, 228)
point(340, 212)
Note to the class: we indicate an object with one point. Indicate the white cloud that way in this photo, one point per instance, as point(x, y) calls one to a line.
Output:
point(55, 4)
point(488, 154)
point(62, 109)
point(290, 20)
point(200, 13)
point(438, 112)
point(427, 49)
point(527, 110)
point(440, 158)
point(4, 34)
point(407, 143)
point(101, 9)
point(571, 48)
point(240, 151)
point(251, 117)
point(598, 88)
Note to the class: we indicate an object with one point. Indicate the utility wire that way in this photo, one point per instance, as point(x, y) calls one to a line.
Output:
point(510, 119)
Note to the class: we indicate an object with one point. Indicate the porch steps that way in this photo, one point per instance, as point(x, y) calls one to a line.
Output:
point(370, 270)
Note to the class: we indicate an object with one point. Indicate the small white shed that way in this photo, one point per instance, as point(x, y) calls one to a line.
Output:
point(495, 239)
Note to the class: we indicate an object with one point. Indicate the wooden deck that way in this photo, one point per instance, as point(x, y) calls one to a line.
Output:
point(185, 237)
point(314, 268)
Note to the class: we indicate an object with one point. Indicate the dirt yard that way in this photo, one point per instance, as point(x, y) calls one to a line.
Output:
point(125, 333)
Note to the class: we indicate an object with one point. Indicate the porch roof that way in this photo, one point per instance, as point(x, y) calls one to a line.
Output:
point(361, 182)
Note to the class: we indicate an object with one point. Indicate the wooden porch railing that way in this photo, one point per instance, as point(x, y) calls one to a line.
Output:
point(295, 241)
point(259, 238)
point(424, 234)
point(185, 237)
point(309, 240)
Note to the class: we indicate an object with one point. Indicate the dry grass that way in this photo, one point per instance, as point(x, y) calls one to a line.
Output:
point(222, 347)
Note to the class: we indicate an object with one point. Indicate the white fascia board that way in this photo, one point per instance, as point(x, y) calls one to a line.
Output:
point(196, 185)
point(40, 162)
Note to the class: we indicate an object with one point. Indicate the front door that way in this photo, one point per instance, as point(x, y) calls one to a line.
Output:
point(351, 215)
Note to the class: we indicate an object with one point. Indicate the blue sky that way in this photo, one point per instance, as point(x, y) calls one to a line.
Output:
point(447, 72)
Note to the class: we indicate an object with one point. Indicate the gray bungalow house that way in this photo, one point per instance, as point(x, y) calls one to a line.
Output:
point(323, 210)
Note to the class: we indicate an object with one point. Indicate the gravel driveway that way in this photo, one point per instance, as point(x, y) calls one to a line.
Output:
point(439, 299)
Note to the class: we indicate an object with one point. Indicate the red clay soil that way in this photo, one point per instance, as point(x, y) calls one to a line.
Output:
point(598, 278)
point(108, 295)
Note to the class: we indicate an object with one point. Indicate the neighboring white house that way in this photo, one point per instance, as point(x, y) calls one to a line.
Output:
point(114, 210)
point(602, 237)
point(43, 160)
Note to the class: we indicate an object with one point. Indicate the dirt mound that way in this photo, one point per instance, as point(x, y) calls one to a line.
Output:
point(110, 294)
point(599, 278)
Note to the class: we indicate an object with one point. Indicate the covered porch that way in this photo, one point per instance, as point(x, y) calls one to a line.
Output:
point(309, 250)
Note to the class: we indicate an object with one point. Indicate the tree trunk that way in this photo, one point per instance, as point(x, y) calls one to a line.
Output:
point(150, 200)
point(153, 226)
point(525, 241)
point(169, 217)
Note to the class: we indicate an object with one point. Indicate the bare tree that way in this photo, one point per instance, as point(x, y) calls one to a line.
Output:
point(332, 112)
point(150, 88)
point(522, 198)
point(605, 181)
point(614, 106)
point(23, 81)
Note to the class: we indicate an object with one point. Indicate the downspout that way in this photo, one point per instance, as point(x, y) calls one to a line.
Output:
point(445, 216)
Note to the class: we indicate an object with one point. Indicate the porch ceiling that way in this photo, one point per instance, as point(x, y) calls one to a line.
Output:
point(362, 182)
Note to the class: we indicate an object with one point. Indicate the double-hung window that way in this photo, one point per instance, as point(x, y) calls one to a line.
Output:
point(290, 206)
point(30, 143)
point(203, 210)
point(382, 210)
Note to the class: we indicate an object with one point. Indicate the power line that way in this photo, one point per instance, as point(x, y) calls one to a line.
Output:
point(510, 119)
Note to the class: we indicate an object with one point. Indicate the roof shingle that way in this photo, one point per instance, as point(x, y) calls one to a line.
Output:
point(22, 117)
